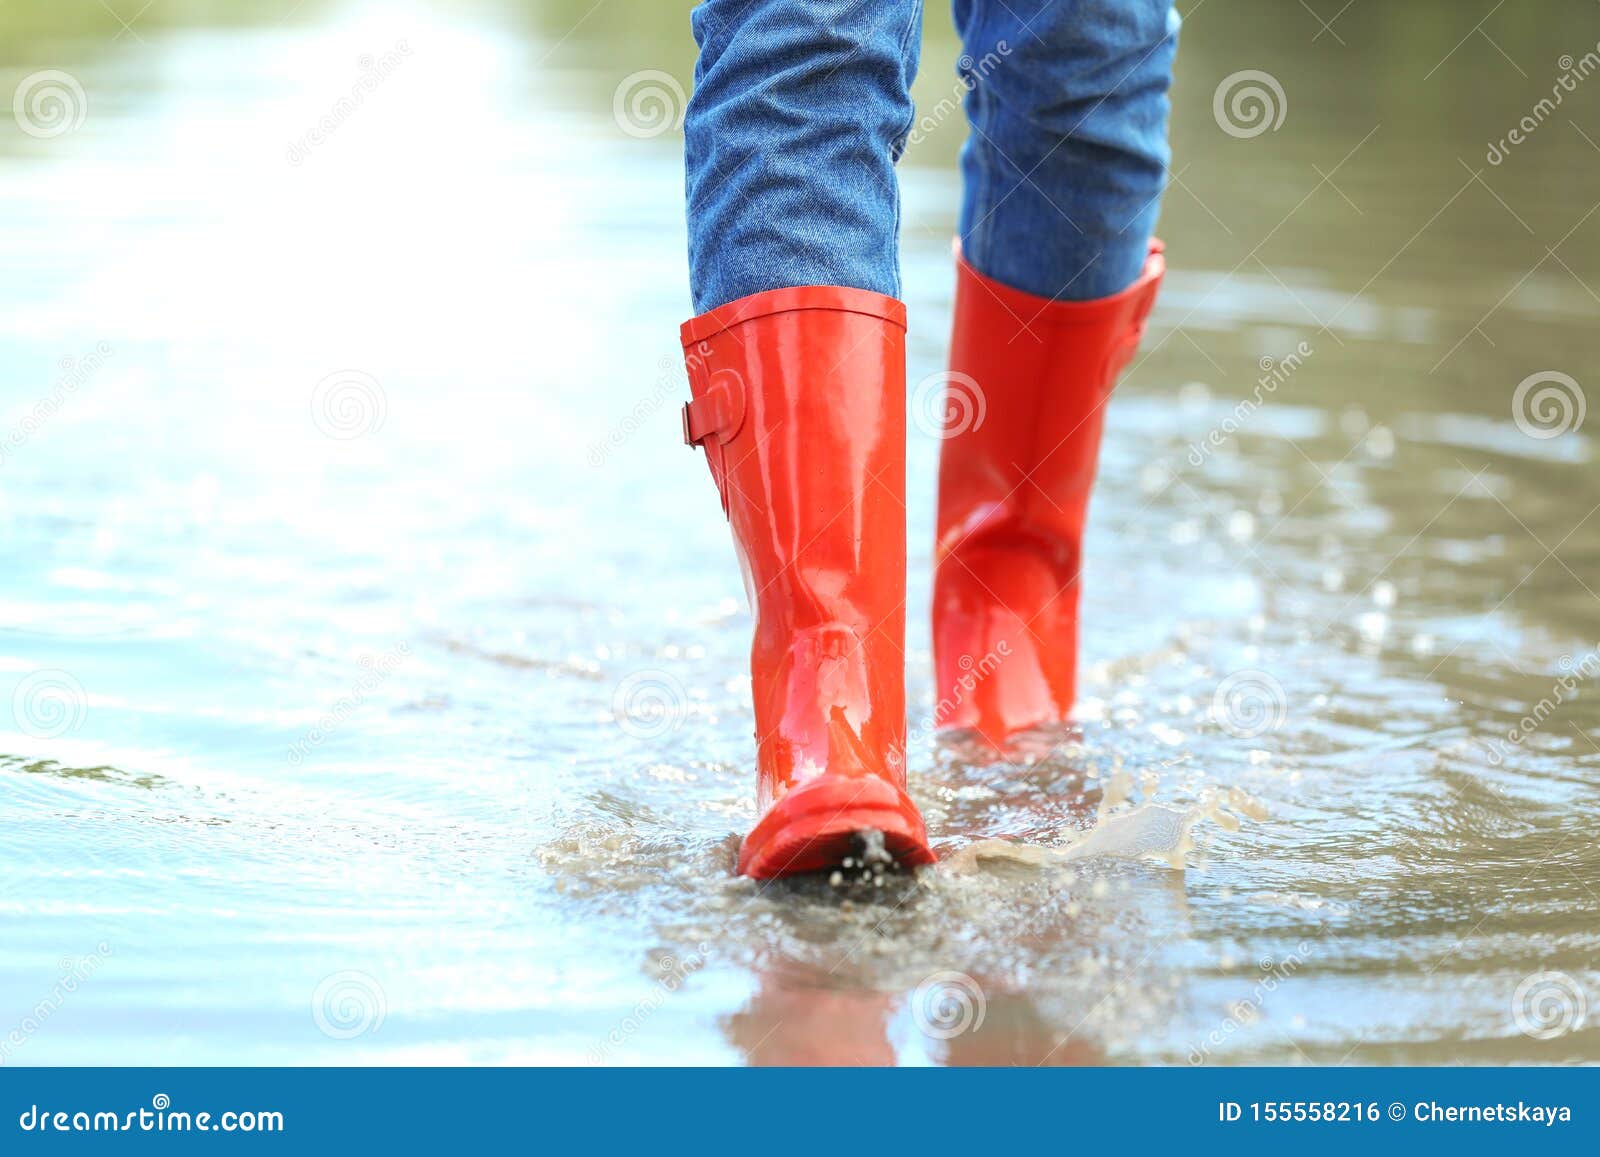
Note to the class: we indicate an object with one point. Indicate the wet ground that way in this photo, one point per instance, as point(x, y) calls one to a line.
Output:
point(374, 652)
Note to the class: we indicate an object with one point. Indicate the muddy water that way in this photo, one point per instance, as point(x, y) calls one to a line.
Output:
point(375, 653)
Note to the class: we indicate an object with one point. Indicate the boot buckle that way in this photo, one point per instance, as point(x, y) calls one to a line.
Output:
point(717, 411)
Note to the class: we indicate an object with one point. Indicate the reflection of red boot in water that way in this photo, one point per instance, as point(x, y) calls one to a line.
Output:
point(799, 404)
point(796, 1019)
point(1029, 378)
point(801, 1017)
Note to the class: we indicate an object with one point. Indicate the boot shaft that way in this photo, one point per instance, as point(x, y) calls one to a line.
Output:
point(1043, 371)
point(1014, 491)
point(799, 403)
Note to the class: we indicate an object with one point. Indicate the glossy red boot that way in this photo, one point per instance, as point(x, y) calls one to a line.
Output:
point(1014, 482)
point(799, 404)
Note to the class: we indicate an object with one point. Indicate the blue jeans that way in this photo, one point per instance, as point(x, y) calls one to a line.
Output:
point(802, 107)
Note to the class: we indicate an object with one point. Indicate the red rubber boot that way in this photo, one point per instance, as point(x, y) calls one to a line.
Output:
point(799, 404)
point(1013, 493)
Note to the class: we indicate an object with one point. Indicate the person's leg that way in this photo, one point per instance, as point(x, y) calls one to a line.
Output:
point(800, 110)
point(1064, 170)
point(1067, 156)
point(798, 375)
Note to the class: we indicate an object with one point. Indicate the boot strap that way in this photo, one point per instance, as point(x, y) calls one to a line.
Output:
point(1126, 344)
point(718, 411)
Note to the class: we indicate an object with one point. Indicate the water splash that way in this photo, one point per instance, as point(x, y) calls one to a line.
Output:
point(1149, 832)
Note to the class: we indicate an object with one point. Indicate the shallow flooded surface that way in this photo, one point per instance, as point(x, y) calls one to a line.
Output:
point(375, 652)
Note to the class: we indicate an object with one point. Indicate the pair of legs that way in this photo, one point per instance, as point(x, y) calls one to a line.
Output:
point(796, 368)
point(802, 107)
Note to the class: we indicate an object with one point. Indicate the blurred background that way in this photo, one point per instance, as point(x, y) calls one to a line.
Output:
point(372, 679)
